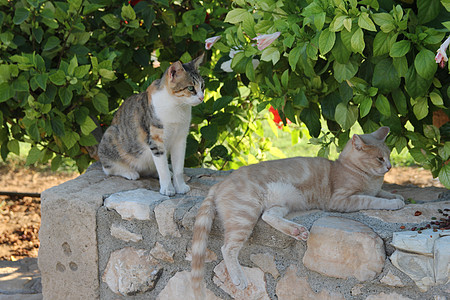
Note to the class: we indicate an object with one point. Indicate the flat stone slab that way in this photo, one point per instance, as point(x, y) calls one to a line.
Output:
point(20, 277)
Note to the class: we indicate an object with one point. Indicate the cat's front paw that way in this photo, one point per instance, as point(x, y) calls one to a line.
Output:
point(182, 188)
point(167, 190)
point(400, 197)
point(130, 175)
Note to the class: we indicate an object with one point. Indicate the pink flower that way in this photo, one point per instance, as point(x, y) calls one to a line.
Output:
point(441, 56)
point(263, 41)
point(211, 41)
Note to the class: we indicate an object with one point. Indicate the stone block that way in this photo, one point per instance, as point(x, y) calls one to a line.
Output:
point(120, 232)
point(418, 267)
point(442, 260)
point(134, 204)
point(415, 242)
point(131, 271)
point(179, 288)
point(256, 288)
point(265, 262)
point(164, 214)
point(343, 248)
point(385, 296)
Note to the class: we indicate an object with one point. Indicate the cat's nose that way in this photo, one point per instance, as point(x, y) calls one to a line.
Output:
point(389, 166)
point(201, 97)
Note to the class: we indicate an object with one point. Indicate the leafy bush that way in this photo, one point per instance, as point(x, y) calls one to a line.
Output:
point(349, 61)
point(66, 66)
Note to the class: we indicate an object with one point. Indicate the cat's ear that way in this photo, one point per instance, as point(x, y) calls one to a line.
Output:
point(198, 61)
point(357, 142)
point(175, 70)
point(381, 133)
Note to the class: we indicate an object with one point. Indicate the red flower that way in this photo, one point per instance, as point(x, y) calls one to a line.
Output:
point(134, 2)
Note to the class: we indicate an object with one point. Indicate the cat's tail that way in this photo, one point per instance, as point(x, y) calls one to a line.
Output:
point(202, 228)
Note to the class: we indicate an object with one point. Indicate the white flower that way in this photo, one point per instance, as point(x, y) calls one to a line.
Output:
point(263, 41)
point(441, 56)
point(211, 41)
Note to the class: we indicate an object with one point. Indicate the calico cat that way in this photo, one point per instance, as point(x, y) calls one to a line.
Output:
point(149, 126)
point(274, 188)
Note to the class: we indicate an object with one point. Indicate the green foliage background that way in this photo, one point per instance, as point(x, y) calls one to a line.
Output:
point(66, 66)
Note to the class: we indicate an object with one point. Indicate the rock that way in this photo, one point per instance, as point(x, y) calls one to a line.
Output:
point(20, 277)
point(265, 262)
point(210, 255)
point(164, 217)
point(179, 288)
point(418, 267)
point(412, 241)
point(134, 204)
point(384, 296)
point(130, 271)
point(442, 260)
point(121, 233)
point(407, 214)
point(290, 286)
point(392, 280)
point(344, 248)
point(159, 252)
point(356, 290)
point(256, 288)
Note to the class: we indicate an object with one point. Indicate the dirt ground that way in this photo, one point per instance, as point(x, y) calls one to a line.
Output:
point(20, 217)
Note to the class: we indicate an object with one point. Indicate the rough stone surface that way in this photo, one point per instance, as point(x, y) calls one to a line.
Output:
point(120, 232)
point(412, 241)
point(290, 287)
point(131, 271)
point(344, 248)
point(390, 296)
point(134, 204)
point(265, 262)
point(256, 288)
point(159, 252)
point(164, 213)
point(179, 288)
point(392, 280)
point(418, 267)
point(442, 260)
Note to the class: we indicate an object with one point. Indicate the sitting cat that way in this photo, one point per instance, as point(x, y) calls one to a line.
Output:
point(153, 124)
point(274, 188)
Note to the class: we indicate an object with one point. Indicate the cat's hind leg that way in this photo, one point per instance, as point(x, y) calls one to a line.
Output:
point(274, 216)
point(239, 224)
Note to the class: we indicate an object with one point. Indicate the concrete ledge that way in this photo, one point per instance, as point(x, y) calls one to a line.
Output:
point(92, 248)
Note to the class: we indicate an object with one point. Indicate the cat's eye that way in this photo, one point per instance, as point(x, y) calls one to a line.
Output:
point(191, 88)
point(381, 159)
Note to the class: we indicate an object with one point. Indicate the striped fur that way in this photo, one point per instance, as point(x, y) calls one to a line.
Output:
point(272, 189)
point(149, 126)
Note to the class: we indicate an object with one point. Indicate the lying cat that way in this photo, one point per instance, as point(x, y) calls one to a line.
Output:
point(274, 188)
point(150, 125)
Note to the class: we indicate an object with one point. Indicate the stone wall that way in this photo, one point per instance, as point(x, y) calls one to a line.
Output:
point(111, 238)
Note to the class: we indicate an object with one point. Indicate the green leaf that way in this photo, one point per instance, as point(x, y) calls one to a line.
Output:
point(57, 126)
point(271, 54)
point(385, 21)
point(51, 43)
point(128, 13)
point(420, 108)
point(357, 41)
point(425, 64)
point(58, 78)
point(385, 76)
point(382, 104)
point(344, 71)
point(365, 106)
point(13, 146)
point(70, 138)
point(326, 41)
point(56, 162)
point(401, 65)
point(81, 71)
point(100, 102)
point(41, 80)
point(222, 103)
point(444, 175)
point(107, 74)
point(88, 140)
point(311, 118)
point(111, 20)
point(400, 101)
point(340, 52)
point(285, 78)
point(20, 15)
point(294, 57)
point(33, 156)
point(428, 10)
point(444, 151)
point(6, 91)
point(72, 65)
point(365, 22)
point(209, 133)
point(383, 43)
point(436, 99)
point(346, 115)
point(65, 95)
point(169, 17)
point(88, 126)
point(237, 15)
point(219, 152)
point(400, 48)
